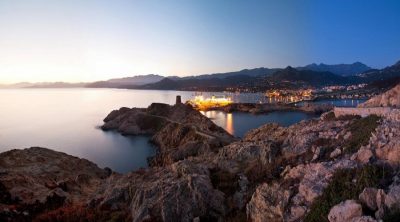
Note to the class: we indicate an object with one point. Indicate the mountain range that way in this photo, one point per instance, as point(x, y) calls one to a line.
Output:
point(339, 69)
point(257, 79)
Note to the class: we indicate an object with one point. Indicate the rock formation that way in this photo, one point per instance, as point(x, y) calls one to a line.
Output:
point(37, 179)
point(391, 98)
point(179, 131)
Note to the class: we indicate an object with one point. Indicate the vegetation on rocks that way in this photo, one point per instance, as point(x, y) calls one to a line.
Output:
point(347, 184)
point(361, 130)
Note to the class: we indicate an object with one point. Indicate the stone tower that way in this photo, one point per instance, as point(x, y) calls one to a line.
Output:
point(178, 99)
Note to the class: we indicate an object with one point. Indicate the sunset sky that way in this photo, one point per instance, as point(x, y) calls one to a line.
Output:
point(50, 40)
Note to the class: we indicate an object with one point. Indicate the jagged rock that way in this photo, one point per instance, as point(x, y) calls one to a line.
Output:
point(270, 131)
point(179, 131)
point(392, 198)
point(335, 153)
point(268, 203)
point(179, 192)
point(37, 178)
point(314, 177)
point(368, 198)
point(345, 211)
point(386, 142)
point(390, 98)
point(363, 155)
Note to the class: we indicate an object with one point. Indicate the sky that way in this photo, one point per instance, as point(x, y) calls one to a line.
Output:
point(89, 40)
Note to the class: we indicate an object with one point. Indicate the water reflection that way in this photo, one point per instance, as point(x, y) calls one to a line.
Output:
point(229, 123)
point(238, 124)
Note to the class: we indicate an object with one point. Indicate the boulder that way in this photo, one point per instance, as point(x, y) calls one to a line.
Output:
point(38, 179)
point(345, 211)
point(368, 198)
point(268, 203)
point(392, 198)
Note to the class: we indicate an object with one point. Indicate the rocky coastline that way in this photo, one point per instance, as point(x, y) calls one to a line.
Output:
point(331, 168)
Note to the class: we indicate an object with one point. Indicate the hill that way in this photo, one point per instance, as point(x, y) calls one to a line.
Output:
point(126, 82)
point(339, 69)
point(389, 72)
point(285, 78)
point(306, 77)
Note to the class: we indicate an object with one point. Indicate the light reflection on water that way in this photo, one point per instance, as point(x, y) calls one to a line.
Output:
point(238, 123)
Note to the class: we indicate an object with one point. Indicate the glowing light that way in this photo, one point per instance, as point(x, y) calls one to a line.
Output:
point(229, 123)
point(201, 103)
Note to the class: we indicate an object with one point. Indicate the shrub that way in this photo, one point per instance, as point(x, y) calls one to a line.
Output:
point(348, 117)
point(361, 130)
point(347, 184)
point(331, 117)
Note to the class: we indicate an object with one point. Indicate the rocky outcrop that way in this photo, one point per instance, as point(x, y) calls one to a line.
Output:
point(37, 179)
point(384, 144)
point(268, 203)
point(345, 211)
point(179, 131)
point(391, 98)
point(179, 192)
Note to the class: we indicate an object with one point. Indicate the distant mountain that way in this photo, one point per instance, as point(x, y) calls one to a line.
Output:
point(15, 85)
point(310, 78)
point(126, 82)
point(339, 69)
point(390, 72)
point(43, 85)
point(245, 72)
point(55, 85)
point(202, 84)
point(285, 78)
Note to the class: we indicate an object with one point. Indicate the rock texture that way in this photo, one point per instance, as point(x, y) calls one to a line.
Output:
point(36, 179)
point(179, 131)
point(390, 98)
point(268, 203)
point(345, 211)
point(179, 192)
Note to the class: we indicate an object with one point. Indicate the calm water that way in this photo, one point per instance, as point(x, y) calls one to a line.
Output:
point(339, 102)
point(239, 124)
point(67, 120)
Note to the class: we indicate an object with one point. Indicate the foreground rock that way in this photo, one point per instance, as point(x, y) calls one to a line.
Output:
point(37, 179)
point(345, 211)
point(179, 192)
point(179, 131)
